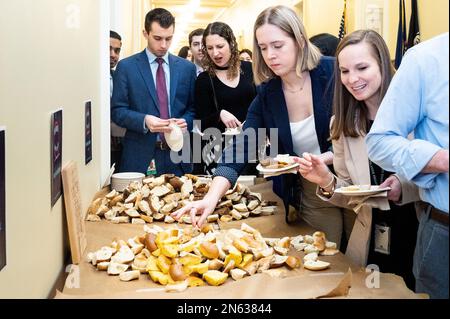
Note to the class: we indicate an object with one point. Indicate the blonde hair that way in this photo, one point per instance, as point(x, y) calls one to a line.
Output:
point(287, 20)
point(350, 115)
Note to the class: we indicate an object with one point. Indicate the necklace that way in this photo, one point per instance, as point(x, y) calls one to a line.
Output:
point(221, 67)
point(298, 90)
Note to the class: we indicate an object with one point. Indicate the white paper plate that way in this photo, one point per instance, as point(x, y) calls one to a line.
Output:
point(374, 189)
point(275, 170)
point(235, 131)
point(175, 138)
point(111, 172)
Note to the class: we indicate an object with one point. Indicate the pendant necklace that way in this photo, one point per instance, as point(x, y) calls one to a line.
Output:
point(298, 90)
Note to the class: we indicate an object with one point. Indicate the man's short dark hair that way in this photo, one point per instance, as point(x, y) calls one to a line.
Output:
point(327, 43)
point(248, 51)
point(194, 33)
point(164, 18)
point(114, 35)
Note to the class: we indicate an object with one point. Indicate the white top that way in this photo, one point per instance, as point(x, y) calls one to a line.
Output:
point(304, 137)
point(198, 68)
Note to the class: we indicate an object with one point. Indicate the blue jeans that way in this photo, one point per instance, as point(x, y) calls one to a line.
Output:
point(431, 257)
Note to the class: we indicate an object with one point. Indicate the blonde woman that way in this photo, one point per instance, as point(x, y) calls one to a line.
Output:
point(294, 97)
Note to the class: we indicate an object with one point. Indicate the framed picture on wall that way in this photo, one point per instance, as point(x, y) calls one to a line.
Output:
point(2, 200)
point(87, 132)
point(372, 14)
point(56, 155)
point(374, 17)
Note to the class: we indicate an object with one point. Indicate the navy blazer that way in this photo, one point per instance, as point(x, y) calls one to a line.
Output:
point(269, 110)
point(134, 96)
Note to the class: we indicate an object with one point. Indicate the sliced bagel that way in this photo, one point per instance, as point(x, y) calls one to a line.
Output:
point(316, 265)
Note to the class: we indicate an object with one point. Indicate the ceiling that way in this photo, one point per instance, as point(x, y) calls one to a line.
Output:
point(190, 15)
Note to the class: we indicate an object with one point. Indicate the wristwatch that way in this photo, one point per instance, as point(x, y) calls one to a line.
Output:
point(332, 184)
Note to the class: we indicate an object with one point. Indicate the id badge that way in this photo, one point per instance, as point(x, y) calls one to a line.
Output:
point(382, 239)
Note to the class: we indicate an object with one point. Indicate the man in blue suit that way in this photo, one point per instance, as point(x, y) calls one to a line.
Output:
point(152, 89)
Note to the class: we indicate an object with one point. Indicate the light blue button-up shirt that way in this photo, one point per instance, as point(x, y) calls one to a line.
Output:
point(416, 101)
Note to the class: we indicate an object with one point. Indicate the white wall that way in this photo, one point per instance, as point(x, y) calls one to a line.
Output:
point(318, 16)
point(322, 16)
point(325, 15)
point(241, 17)
point(127, 18)
point(53, 56)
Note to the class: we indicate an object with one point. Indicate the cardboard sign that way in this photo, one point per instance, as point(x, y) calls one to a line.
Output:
point(87, 132)
point(2, 200)
point(56, 155)
point(75, 216)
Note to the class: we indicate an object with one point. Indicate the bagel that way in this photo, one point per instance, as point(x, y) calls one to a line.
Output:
point(316, 265)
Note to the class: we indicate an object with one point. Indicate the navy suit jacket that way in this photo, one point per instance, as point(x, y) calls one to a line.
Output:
point(135, 96)
point(269, 110)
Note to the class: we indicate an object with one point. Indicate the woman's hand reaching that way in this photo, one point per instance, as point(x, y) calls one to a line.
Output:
point(202, 207)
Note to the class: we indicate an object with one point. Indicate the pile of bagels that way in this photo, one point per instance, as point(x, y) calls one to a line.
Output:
point(157, 197)
point(178, 258)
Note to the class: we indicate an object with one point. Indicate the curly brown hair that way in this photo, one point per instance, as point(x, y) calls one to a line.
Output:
point(223, 30)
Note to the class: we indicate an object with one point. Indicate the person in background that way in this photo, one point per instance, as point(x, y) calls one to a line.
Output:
point(117, 132)
point(245, 55)
point(364, 72)
point(115, 45)
point(153, 89)
point(224, 91)
point(327, 43)
point(417, 101)
point(185, 53)
point(195, 44)
point(294, 97)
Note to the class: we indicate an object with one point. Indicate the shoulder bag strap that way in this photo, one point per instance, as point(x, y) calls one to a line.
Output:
point(214, 93)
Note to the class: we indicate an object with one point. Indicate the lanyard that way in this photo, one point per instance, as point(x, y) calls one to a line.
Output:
point(374, 176)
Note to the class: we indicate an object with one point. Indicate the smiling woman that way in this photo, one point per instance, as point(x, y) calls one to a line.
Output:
point(364, 78)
